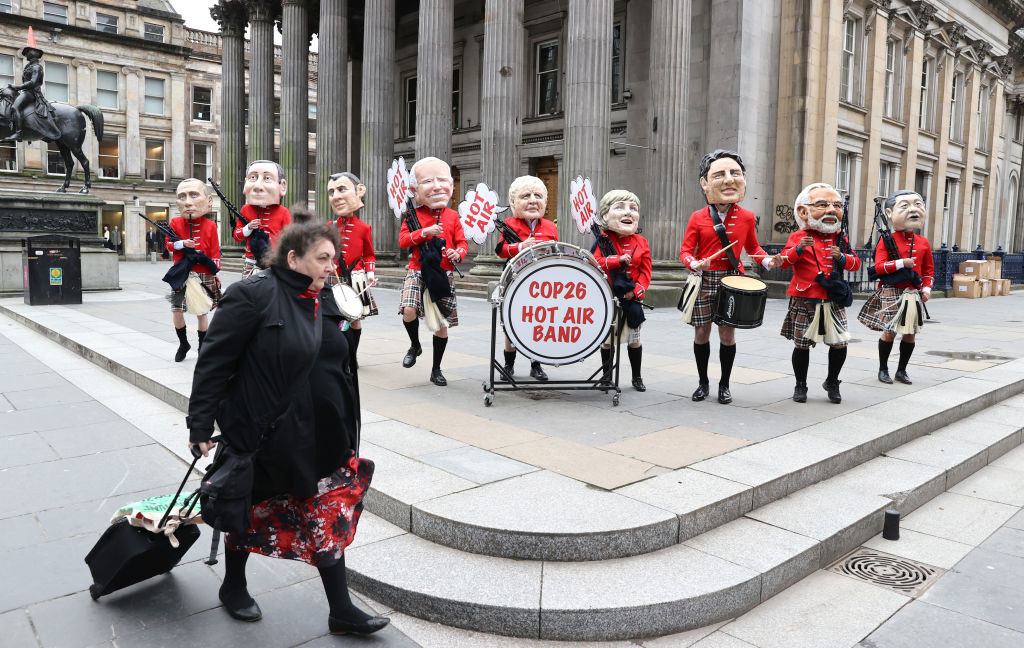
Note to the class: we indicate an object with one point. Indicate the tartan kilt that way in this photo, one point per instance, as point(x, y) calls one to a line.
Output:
point(331, 282)
point(177, 297)
point(412, 297)
point(879, 312)
point(799, 316)
point(705, 309)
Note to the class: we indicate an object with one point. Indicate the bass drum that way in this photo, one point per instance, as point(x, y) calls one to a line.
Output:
point(741, 301)
point(556, 304)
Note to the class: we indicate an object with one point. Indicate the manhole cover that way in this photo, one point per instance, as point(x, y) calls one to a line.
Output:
point(968, 355)
point(894, 572)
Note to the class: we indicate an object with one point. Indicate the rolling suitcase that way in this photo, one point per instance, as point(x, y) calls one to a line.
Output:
point(125, 554)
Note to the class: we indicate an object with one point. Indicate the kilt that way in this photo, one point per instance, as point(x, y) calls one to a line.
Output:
point(250, 268)
point(799, 316)
point(705, 309)
point(331, 281)
point(177, 297)
point(879, 312)
point(632, 337)
point(412, 296)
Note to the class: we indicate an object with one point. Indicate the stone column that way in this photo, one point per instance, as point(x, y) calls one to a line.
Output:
point(132, 140)
point(295, 99)
point(179, 120)
point(991, 218)
point(434, 60)
point(588, 98)
point(501, 129)
point(670, 59)
point(354, 99)
point(961, 227)
point(232, 18)
point(331, 98)
point(377, 135)
point(84, 95)
point(261, 80)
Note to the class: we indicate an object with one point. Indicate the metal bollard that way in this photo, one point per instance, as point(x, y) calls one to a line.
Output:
point(891, 529)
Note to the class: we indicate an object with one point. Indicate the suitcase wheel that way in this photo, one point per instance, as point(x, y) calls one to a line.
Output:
point(94, 591)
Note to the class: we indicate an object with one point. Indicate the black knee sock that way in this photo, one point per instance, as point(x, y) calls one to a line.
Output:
point(836, 358)
point(636, 355)
point(233, 591)
point(726, 356)
point(182, 335)
point(335, 583)
point(439, 344)
point(906, 350)
point(606, 361)
point(413, 329)
point(510, 358)
point(801, 360)
point(884, 349)
point(202, 336)
point(702, 353)
point(353, 346)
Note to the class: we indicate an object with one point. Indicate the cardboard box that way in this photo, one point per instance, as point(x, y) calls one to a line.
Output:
point(966, 287)
point(977, 269)
point(1004, 287)
point(986, 287)
point(995, 267)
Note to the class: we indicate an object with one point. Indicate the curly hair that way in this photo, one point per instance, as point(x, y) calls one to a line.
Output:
point(301, 235)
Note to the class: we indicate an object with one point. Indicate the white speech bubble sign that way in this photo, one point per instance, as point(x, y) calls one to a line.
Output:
point(477, 211)
point(583, 203)
point(398, 186)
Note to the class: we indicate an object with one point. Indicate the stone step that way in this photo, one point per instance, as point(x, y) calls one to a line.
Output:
point(540, 515)
point(710, 577)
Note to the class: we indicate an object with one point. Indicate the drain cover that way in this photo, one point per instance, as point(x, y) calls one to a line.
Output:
point(896, 573)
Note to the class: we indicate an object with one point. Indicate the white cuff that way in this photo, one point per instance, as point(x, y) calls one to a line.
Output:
point(693, 265)
point(178, 245)
point(369, 276)
point(927, 289)
point(766, 261)
point(899, 264)
point(247, 229)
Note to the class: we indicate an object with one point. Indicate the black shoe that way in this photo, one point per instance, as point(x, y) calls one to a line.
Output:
point(724, 395)
point(369, 626)
point(182, 351)
point(509, 372)
point(638, 384)
point(437, 377)
point(410, 356)
point(883, 376)
point(241, 606)
point(800, 392)
point(901, 376)
point(702, 391)
point(833, 391)
point(537, 372)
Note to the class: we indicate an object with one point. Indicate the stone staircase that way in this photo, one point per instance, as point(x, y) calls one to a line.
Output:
point(544, 556)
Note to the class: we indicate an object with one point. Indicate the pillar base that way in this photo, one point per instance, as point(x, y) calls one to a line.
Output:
point(668, 271)
point(487, 265)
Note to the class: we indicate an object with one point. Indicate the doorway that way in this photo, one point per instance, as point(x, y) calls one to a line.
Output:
point(546, 168)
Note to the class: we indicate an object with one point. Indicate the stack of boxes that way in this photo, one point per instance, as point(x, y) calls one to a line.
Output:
point(981, 279)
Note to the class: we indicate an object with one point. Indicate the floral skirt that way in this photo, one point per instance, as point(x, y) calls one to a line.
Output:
point(314, 530)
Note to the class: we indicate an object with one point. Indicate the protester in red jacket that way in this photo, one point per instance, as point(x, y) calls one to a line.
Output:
point(810, 251)
point(265, 187)
point(199, 232)
point(432, 184)
point(894, 304)
point(630, 253)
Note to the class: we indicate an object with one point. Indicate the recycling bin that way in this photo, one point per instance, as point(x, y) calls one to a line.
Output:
point(52, 266)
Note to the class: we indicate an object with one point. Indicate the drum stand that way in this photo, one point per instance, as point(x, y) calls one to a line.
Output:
point(594, 382)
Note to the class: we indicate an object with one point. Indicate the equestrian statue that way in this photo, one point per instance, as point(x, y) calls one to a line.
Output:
point(26, 116)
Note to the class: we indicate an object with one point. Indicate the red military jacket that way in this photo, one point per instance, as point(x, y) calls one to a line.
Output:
point(356, 244)
point(273, 219)
point(544, 230)
point(639, 268)
point(453, 235)
point(911, 246)
point(700, 240)
point(204, 232)
point(808, 263)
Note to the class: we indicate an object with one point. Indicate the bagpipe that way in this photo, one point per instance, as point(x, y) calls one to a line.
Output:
point(621, 282)
point(259, 240)
point(435, 279)
point(836, 287)
point(508, 235)
point(198, 299)
point(903, 275)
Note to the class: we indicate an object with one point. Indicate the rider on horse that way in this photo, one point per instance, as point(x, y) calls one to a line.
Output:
point(29, 98)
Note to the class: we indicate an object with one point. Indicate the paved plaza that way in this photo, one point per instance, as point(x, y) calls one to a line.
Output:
point(90, 418)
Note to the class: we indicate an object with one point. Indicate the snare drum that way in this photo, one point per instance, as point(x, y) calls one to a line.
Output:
point(741, 301)
point(556, 305)
point(359, 284)
point(349, 303)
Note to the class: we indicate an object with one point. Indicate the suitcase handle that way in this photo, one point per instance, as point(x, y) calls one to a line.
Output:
point(197, 454)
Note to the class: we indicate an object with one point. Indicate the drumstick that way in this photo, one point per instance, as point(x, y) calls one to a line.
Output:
point(720, 252)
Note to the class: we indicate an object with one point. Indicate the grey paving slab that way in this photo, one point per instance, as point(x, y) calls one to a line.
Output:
point(996, 484)
point(984, 585)
point(20, 531)
point(23, 449)
point(46, 396)
point(406, 439)
point(543, 515)
point(426, 580)
point(906, 483)
point(701, 501)
point(721, 640)
point(76, 621)
point(16, 630)
point(45, 571)
point(735, 422)
point(477, 465)
point(957, 457)
point(95, 437)
point(1014, 460)
point(682, 589)
point(1007, 540)
point(923, 625)
point(53, 417)
point(922, 547)
point(18, 380)
point(1017, 521)
point(959, 518)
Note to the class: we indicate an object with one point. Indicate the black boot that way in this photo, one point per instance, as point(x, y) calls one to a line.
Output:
point(345, 617)
point(701, 353)
point(202, 336)
point(801, 360)
point(436, 376)
point(413, 329)
point(884, 349)
point(836, 358)
point(510, 363)
point(183, 345)
point(233, 592)
point(906, 350)
point(537, 372)
point(726, 357)
point(606, 367)
point(636, 355)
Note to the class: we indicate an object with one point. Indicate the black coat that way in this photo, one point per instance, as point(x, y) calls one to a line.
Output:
point(252, 379)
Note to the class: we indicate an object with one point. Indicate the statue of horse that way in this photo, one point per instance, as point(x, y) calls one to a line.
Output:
point(71, 122)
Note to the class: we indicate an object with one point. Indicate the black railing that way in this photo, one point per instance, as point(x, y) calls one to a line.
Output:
point(947, 264)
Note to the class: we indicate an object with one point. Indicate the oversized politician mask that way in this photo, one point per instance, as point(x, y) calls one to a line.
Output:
point(725, 181)
point(823, 211)
point(264, 184)
point(434, 184)
point(906, 210)
point(346, 196)
point(620, 211)
point(193, 201)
